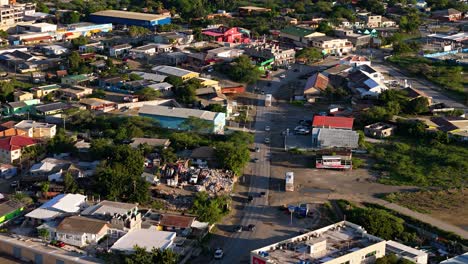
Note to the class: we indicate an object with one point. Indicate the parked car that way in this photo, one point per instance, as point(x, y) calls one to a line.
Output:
point(250, 198)
point(59, 244)
point(267, 140)
point(282, 76)
point(255, 160)
point(257, 149)
point(238, 228)
point(219, 253)
point(267, 128)
point(14, 184)
point(251, 227)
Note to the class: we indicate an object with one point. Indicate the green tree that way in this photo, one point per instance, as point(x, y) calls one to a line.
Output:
point(175, 81)
point(143, 256)
point(325, 27)
point(243, 70)
point(43, 233)
point(216, 108)
point(136, 31)
point(119, 177)
point(410, 23)
point(134, 77)
point(184, 140)
point(418, 105)
point(45, 188)
point(3, 34)
point(61, 143)
point(310, 55)
point(209, 209)
point(168, 155)
point(41, 7)
point(232, 156)
point(378, 222)
point(74, 61)
point(187, 92)
point(148, 94)
point(98, 93)
point(69, 183)
point(6, 90)
point(80, 41)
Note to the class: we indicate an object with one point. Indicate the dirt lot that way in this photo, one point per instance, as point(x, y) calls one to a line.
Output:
point(449, 206)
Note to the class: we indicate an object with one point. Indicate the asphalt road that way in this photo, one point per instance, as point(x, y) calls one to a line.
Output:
point(238, 245)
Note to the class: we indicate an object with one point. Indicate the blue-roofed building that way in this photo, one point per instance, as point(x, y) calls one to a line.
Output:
point(129, 18)
point(173, 117)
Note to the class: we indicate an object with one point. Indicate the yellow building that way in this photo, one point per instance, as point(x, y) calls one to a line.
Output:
point(208, 82)
point(175, 71)
point(22, 96)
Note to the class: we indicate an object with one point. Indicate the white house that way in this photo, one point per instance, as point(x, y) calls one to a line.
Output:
point(60, 205)
point(146, 238)
point(119, 50)
point(54, 50)
point(81, 231)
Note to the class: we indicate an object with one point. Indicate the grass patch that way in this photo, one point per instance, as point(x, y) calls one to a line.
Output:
point(431, 201)
point(298, 103)
point(448, 76)
point(418, 163)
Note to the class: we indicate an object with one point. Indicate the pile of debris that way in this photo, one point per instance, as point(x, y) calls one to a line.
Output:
point(216, 181)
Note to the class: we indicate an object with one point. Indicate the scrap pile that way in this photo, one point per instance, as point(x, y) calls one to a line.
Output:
point(216, 181)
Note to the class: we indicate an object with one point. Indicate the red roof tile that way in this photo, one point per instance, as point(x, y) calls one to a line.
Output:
point(16, 142)
point(333, 122)
point(178, 221)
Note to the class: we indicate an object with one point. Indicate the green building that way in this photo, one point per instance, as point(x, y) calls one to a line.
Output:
point(10, 210)
point(19, 108)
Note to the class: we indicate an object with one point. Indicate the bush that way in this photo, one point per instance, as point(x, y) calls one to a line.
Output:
point(357, 163)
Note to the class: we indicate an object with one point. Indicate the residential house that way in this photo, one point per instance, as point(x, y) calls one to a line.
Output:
point(358, 40)
point(324, 138)
point(11, 147)
point(81, 231)
point(47, 166)
point(413, 93)
point(315, 86)
point(329, 45)
point(8, 129)
point(172, 58)
point(153, 77)
point(54, 50)
point(455, 127)
point(152, 142)
point(173, 118)
point(447, 15)
point(176, 223)
point(41, 91)
point(223, 54)
point(119, 50)
point(145, 238)
point(38, 77)
point(97, 104)
point(230, 35)
point(44, 110)
point(74, 80)
point(76, 92)
point(60, 206)
point(355, 61)
point(91, 47)
point(203, 156)
point(177, 72)
point(122, 217)
point(379, 130)
point(22, 96)
point(180, 38)
point(112, 83)
point(162, 87)
point(388, 23)
point(373, 21)
point(37, 129)
point(367, 82)
point(338, 74)
point(334, 122)
point(9, 210)
point(19, 108)
point(149, 50)
point(7, 171)
point(299, 35)
point(252, 10)
point(267, 51)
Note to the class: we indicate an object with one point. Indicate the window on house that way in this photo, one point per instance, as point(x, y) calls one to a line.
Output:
point(370, 254)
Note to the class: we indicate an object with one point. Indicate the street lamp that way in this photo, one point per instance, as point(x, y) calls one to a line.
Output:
point(291, 211)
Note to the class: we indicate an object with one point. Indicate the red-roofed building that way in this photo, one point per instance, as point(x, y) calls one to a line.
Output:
point(333, 122)
point(231, 35)
point(11, 147)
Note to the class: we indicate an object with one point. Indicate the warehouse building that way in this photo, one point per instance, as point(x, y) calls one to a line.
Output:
point(129, 18)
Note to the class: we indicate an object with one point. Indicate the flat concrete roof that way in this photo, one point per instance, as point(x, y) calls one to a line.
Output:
point(129, 15)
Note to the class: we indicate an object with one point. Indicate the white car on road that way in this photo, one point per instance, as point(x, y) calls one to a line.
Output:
point(267, 128)
point(282, 76)
point(219, 253)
